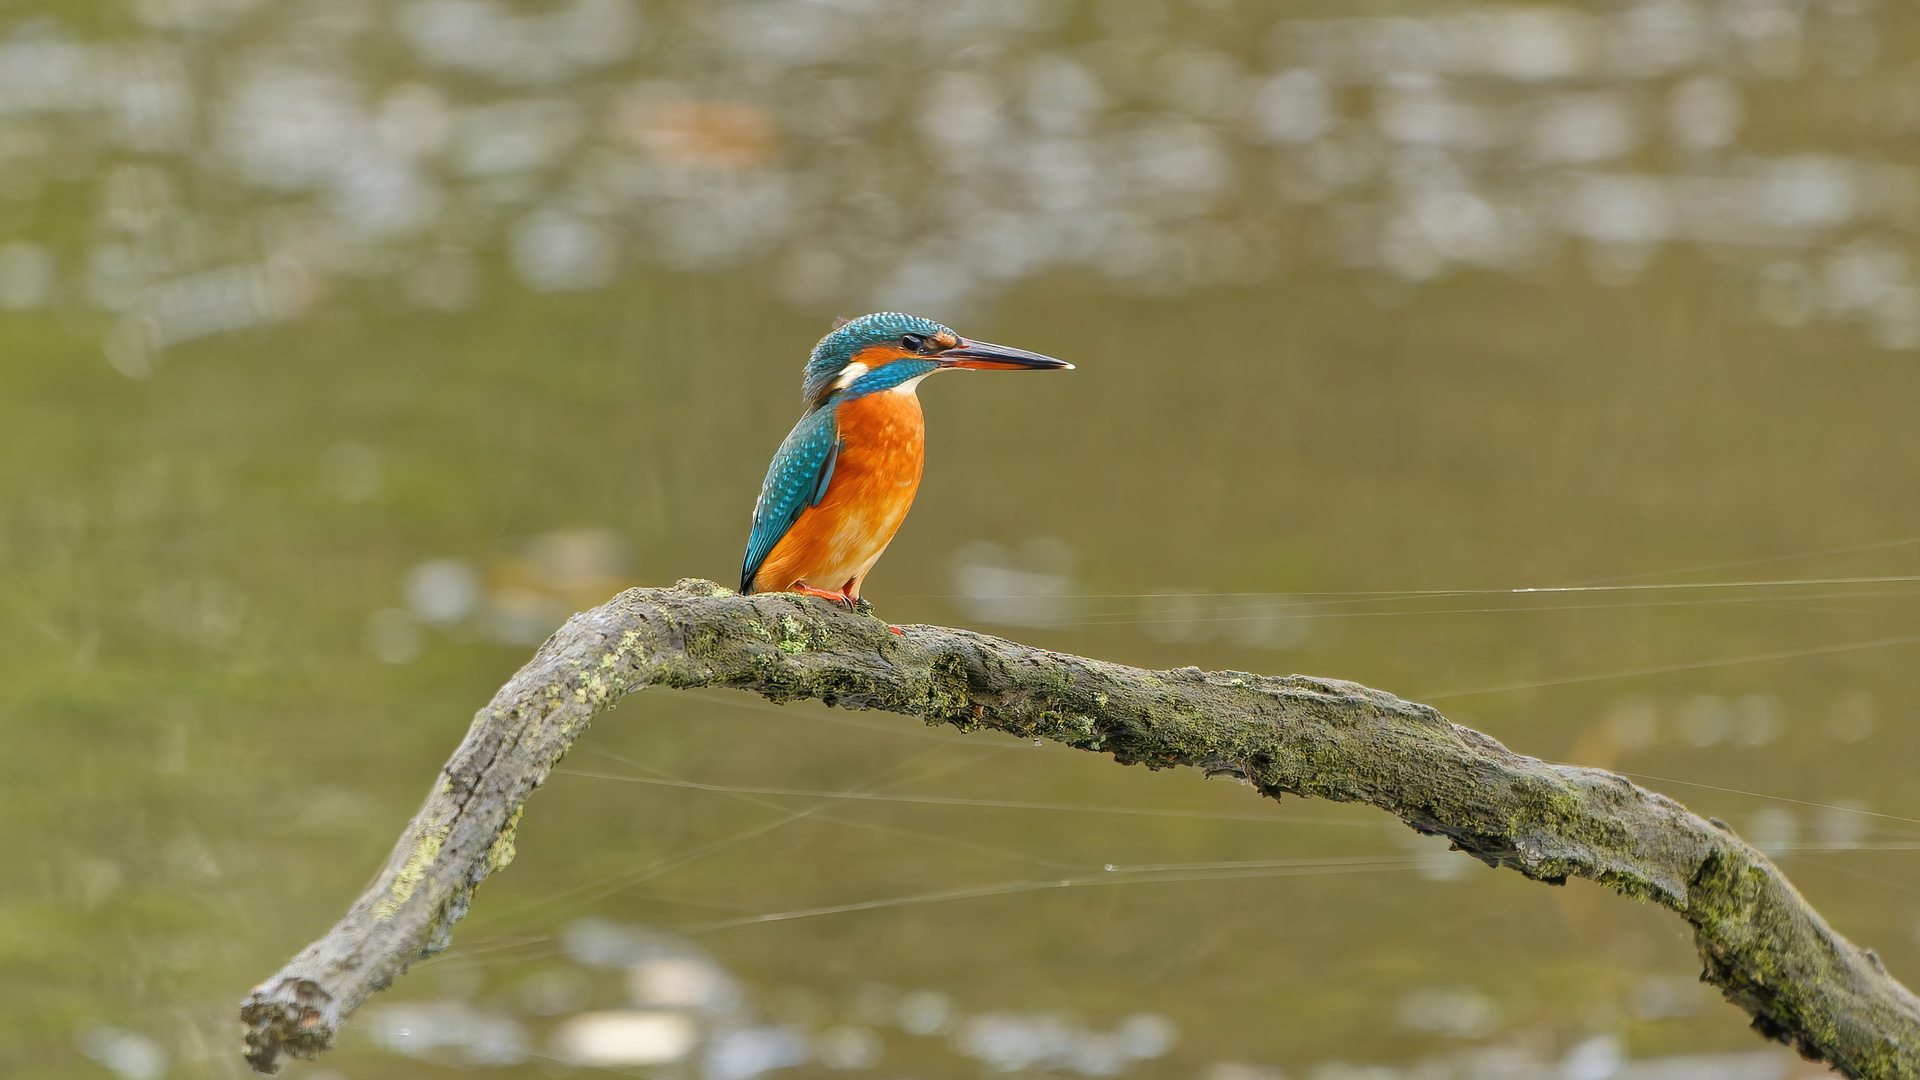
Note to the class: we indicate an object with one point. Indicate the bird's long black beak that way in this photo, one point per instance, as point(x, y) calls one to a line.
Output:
point(981, 354)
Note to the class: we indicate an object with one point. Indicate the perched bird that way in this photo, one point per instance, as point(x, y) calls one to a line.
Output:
point(842, 482)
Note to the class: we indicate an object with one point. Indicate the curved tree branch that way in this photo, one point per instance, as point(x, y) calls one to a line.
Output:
point(1761, 944)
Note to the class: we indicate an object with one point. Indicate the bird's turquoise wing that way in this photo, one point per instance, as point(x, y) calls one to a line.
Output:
point(798, 478)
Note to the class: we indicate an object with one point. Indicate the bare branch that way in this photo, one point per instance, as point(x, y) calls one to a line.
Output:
point(1761, 944)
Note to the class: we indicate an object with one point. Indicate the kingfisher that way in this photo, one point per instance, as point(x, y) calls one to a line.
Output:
point(842, 482)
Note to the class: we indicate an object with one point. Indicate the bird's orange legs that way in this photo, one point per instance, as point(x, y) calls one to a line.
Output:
point(845, 598)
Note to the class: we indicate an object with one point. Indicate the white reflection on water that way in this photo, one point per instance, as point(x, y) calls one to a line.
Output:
point(848, 1046)
point(925, 1012)
point(1459, 1012)
point(524, 594)
point(1774, 830)
point(1842, 825)
point(1026, 587)
point(441, 592)
point(747, 1052)
point(618, 1037)
point(1597, 1058)
point(484, 38)
point(1853, 716)
point(1014, 1042)
point(589, 138)
point(682, 1005)
point(453, 1031)
point(554, 251)
point(129, 1055)
point(688, 981)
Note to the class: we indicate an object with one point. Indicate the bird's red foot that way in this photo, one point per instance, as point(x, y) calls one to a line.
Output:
point(842, 599)
point(896, 630)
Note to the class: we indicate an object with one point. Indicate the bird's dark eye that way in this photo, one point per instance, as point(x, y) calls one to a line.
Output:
point(912, 342)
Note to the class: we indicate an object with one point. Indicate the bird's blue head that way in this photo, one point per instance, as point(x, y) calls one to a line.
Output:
point(888, 349)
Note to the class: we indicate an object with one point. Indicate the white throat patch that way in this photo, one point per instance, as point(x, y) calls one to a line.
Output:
point(907, 387)
point(848, 374)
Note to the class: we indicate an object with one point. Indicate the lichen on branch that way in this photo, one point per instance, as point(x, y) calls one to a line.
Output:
point(1759, 941)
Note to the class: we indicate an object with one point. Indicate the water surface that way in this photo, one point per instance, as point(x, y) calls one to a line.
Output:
point(351, 346)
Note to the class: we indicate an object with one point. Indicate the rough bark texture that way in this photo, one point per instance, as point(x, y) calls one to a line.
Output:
point(1762, 945)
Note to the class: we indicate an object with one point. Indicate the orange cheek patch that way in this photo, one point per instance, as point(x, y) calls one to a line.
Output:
point(877, 356)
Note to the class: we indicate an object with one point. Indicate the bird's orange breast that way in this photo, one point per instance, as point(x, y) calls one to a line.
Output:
point(832, 545)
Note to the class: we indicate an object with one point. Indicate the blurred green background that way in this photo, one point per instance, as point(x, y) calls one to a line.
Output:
point(350, 346)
